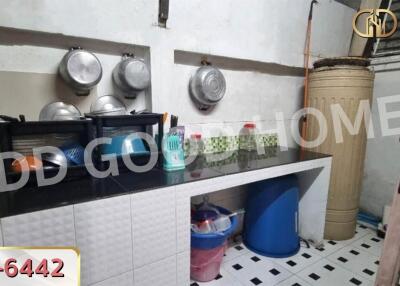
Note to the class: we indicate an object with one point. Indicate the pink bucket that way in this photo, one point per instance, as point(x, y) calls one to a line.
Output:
point(206, 263)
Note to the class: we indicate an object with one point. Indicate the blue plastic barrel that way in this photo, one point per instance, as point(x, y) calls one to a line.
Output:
point(271, 219)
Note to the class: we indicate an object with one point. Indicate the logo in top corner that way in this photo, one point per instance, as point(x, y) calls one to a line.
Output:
point(375, 25)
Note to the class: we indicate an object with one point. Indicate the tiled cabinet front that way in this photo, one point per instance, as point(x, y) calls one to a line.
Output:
point(160, 273)
point(128, 240)
point(54, 227)
point(104, 237)
point(1, 236)
point(183, 268)
point(154, 226)
point(125, 279)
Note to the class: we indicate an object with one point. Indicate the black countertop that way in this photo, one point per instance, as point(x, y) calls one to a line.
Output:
point(29, 199)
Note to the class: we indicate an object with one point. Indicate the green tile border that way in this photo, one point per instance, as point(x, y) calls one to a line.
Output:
point(231, 143)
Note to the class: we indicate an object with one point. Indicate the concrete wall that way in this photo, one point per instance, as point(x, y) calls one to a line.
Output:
point(382, 167)
point(251, 30)
point(266, 31)
point(257, 44)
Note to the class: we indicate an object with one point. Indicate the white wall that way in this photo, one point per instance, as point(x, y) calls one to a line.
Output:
point(256, 30)
point(257, 43)
point(266, 31)
point(28, 81)
point(382, 166)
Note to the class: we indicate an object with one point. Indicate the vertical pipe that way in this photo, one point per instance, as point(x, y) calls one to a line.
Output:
point(306, 66)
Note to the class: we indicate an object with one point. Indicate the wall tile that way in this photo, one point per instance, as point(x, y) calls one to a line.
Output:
point(232, 203)
point(154, 225)
point(1, 236)
point(125, 279)
point(182, 221)
point(54, 227)
point(229, 143)
point(222, 194)
point(183, 268)
point(104, 236)
point(160, 273)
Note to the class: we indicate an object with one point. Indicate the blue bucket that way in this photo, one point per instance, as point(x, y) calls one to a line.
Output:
point(213, 240)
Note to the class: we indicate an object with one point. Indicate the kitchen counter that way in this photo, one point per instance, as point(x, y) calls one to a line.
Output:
point(29, 199)
point(138, 225)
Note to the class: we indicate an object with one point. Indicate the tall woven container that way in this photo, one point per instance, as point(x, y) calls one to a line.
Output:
point(345, 81)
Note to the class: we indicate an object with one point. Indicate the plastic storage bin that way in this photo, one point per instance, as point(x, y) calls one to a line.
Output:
point(110, 126)
point(68, 135)
point(206, 263)
point(271, 219)
point(208, 250)
point(213, 240)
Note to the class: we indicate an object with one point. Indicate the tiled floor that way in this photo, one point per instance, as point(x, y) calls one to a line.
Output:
point(351, 262)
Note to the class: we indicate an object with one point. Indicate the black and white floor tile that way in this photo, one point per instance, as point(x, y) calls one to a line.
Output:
point(294, 281)
point(251, 269)
point(304, 258)
point(357, 261)
point(370, 243)
point(351, 262)
point(235, 251)
point(223, 279)
point(327, 273)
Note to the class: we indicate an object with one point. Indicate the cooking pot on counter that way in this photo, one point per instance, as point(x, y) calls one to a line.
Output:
point(81, 70)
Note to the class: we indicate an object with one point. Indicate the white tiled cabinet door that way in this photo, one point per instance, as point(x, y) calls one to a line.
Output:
point(53, 227)
point(161, 273)
point(1, 236)
point(154, 226)
point(104, 237)
point(183, 269)
point(125, 279)
point(182, 219)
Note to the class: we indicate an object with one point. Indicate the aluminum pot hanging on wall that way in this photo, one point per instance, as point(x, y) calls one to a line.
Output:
point(131, 76)
point(207, 87)
point(81, 70)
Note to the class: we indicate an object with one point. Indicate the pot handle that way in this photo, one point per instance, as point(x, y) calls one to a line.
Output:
point(127, 55)
point(75, 48)
point(204, 62)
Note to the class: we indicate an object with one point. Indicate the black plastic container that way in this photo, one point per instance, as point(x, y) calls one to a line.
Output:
point(81, 130)
point(138, 122)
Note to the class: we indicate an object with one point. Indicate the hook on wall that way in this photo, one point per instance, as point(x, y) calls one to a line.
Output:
point(163, 11)
point(204, 61)
point(128, 55)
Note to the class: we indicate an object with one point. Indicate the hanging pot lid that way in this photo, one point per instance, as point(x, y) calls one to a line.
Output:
point(59, 111)
point(207, 85)
point(108, 105)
